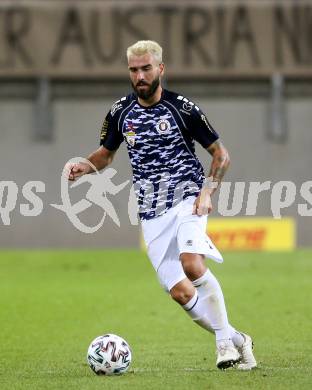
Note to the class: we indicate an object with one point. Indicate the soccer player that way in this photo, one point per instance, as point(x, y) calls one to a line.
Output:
point(174, 197)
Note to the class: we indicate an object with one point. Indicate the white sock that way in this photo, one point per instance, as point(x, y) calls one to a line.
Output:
point(198, 309)
point(212, 307)
point(195, 310)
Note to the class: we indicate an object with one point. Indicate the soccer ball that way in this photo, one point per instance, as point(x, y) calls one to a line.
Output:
point(109, 355)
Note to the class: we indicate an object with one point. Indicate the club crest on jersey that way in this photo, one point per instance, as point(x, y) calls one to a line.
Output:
point(130, 137)
point(163, 126)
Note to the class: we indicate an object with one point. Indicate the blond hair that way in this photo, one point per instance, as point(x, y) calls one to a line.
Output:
point(145, 47)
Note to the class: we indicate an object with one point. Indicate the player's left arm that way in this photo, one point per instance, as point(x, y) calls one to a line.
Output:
point(203, 132)
point(219, 165)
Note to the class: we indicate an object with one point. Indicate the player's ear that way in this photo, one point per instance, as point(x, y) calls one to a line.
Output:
point(162, 69)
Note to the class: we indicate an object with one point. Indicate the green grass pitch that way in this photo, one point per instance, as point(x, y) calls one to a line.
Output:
point(53, 303)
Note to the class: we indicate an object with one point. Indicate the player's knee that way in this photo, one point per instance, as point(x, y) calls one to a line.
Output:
point(182, 293)
point(182, 297)
point(193, 265)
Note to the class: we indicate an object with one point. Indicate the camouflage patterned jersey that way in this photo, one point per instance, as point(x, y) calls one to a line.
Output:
point(160, 141)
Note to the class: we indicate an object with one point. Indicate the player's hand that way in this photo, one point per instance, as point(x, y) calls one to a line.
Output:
point(202, 204)
point(74, 170)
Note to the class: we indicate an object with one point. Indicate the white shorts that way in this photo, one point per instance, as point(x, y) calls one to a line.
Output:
point(176, 232)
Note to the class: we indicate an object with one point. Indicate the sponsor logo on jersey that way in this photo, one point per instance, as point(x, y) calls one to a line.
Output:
point(187, 102)
point(185, 112)
point(188, 106)
point(163, 126)
point(130, 137)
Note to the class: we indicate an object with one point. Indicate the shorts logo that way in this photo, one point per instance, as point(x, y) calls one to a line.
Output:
point(130, 137)
point(210, 246)
point(189, 243)
point(163, 126)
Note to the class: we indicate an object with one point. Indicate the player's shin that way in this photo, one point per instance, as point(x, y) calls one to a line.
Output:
point(212, 306)
point(199, 316)
point(194, 310)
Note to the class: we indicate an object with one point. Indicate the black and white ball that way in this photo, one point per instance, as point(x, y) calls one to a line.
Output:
point(109, 355)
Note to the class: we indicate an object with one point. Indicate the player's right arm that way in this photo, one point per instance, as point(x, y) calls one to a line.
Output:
point(100, 158)
point(111, 139)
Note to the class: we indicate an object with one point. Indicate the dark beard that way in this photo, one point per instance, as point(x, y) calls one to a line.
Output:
point(149, 92)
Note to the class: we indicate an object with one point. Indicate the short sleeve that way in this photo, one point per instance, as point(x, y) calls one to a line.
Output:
point(111, 138)
point(200, 129)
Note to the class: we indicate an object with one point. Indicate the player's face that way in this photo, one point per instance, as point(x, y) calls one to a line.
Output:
point(145, 75)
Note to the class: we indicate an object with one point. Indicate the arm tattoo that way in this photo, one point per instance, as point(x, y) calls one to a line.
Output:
point(220, 161)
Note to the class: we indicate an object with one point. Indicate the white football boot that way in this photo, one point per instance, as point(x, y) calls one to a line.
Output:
point(227, 356)
point(247, 359)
